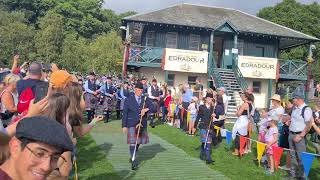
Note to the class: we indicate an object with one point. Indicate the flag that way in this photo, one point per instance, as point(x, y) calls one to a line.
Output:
point(188, 116)
point(217, 128)
point(228, 137)
point(307, 159)
point(277, 153)
point(243, 141)
point(261, 147)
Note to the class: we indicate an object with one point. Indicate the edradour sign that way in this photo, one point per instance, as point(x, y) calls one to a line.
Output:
point(258, 67)
point(185, 60)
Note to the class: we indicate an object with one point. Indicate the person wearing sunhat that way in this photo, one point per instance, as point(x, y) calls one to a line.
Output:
point(276, 108)
point(301, 118)
point(91, 93)
point(136, 107)
point(205, 115)
point(35, 149)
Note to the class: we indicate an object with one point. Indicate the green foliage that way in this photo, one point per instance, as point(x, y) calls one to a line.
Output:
point(15, 36)
point(301, 17)
point(79, 35)
point(49, 38)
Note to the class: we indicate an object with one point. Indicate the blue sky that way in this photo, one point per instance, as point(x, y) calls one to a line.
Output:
point(141, 6)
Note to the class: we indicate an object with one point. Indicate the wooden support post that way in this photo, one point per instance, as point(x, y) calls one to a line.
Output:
point(210, 58)
point(269, 91)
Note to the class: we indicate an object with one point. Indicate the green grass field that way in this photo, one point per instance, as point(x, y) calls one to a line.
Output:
point(93, 164)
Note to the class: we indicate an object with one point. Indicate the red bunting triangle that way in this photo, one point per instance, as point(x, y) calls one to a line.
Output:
point(277, 153)
point(243, 141)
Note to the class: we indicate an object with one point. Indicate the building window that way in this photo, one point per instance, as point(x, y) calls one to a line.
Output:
point(150, 37)
point(194, 42)
point(260, 51)
point(172, 40)
point(256, 86)
point(240, 47)
point(192, 80)
point(171, 80)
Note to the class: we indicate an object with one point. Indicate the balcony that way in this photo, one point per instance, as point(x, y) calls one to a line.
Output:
point(293, 69)
point(142, 56)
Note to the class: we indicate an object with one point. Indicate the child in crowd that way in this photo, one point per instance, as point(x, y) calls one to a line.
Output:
point(193, 115)
point(167, 101)
point(284, 133)
point(271, 139)
point(263, 124)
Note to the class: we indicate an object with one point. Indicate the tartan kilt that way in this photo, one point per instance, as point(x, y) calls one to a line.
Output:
point(120, 104)
point(108, 103)
point(132, 136)
point(91, 101)
point(154, 104)
point(203, 136)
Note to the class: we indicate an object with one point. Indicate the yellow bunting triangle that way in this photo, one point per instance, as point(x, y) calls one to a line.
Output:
point(217, 128)
point(260, 150)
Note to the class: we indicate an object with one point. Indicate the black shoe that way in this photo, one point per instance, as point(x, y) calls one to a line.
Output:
point(134, 165)
point(152, 125)
point(210, 161)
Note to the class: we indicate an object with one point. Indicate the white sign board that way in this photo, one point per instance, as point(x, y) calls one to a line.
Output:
point(185, 60)
point(258, 67)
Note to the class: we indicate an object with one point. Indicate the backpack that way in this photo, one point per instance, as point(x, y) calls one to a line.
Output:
point(25, 97)
point(256, 116)
point(303, 110)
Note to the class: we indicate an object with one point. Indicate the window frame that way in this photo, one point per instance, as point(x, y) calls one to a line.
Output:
point(148, 39)
point(171, 80)
point(168, 40)
point(192, 83)
point(255, 87)
point(191, 42)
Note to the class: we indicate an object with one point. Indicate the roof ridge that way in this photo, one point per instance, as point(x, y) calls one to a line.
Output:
point(210, 6)
point(276, 24)
point(178, 4)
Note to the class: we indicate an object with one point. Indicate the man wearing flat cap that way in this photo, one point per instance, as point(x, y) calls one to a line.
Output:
point(135, 108)
point(301, 118)
point(35, 149)
point(90, 95)
point(108, 93)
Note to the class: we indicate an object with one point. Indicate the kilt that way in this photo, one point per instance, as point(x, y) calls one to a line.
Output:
point(108, 103)
point(155, 106)
point(91, 101)
point(132, 136)
point(203, 136)
point(120, 103)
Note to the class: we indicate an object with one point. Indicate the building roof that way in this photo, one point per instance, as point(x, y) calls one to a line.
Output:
point(212, 17)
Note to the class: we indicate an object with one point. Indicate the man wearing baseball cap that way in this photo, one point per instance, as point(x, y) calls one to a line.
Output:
point(35, 149)
point(301, 118)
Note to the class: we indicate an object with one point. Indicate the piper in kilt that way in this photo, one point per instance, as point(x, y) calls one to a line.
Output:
point(90, 95)
point(108, 92)
point(135, 107)
point(205, 114)
point(154, 94)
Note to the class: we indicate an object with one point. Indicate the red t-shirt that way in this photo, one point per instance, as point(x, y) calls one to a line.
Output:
point(4, 175)
point(167, 101)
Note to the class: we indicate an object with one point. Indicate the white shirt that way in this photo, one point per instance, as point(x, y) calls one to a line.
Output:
point(298, 123)
point(225, 102)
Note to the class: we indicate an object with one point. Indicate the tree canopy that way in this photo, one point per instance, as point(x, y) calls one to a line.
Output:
point(79, 35)
point(300, 17)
